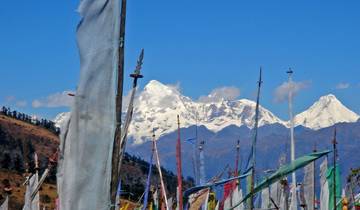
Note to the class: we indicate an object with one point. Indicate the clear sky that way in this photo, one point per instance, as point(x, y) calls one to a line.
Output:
point(200, 44)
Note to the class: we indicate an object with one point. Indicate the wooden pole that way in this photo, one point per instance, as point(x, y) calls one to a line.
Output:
point(179, 167)
point(314, 183)
point(163, 189)
point(334, 177)
point(237, 158)
point(136, 75)
point(119, 94)
point(252, 184)
point(292, 139)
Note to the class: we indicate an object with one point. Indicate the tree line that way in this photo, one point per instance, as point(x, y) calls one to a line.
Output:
point(47, 124)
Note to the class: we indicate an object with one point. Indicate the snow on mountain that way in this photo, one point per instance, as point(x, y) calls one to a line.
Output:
point(61, 118)
point(158, 105)
point(327, 111)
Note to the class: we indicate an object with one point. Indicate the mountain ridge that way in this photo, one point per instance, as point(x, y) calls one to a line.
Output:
point(273, 143)
point(157, 105)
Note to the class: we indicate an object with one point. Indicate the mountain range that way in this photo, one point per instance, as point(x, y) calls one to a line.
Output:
point(157, 105)
point(221, 123)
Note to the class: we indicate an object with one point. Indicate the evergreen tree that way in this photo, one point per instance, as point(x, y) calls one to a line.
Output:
point(18, 164)
point(6, 161)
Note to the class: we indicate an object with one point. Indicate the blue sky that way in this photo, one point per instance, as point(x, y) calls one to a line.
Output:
point(201, 44)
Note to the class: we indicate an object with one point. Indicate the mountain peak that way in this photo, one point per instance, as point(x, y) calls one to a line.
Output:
point(325, 112)
point(154, 83)
point(328, 98)
point(248, 102)
point(61, 119)
point(157, 88)
point(158, 105)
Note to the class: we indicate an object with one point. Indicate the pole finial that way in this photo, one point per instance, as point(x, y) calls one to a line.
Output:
point(315, 149)
point(260, 77)
point(290, 71)
point(334, 140)
point(36, 160)
point(138, 67)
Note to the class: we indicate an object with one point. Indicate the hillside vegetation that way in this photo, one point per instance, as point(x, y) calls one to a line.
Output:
point(19, 140)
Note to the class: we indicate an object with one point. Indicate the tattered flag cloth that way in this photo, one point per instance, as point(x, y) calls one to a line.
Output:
point(32, 204)
point(293, 201)
point(236, 198)
point(265, 199)
point(283, 171)
point(217, 206)
point(221, 182)
point(35, 193)
point(227, 203)
point(331, 172)
point(309, 186)
point(85, 168)
point(196, 200)
point(324, 186)
point(5, 205)
point(148, 181)
point(275, 193)
point(228, 188)
point(156, 200)
point(125, 207)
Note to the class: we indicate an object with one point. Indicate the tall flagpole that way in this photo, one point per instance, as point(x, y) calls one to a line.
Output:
point(197, 154)
point(252, 184)
point(120, 79)
point(202, 163)
point(313, 180)
point(129, 113)
point(148, 181)
point(163, 189)
point(179, 169)
point(237, 158)
point(334, 177)
point(290, 98)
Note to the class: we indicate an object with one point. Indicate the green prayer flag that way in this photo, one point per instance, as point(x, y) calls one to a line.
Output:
point(284, 171)
point(330, 178)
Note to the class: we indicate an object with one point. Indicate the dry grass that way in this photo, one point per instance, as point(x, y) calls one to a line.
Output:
point(16, 199)
point(44, 143)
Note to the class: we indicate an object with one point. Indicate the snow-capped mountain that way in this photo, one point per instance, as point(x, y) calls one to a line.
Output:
point(158, 105)
point(327, 111)
point(61, 118)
